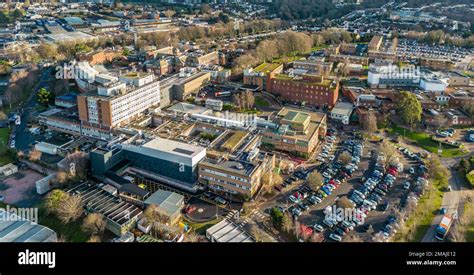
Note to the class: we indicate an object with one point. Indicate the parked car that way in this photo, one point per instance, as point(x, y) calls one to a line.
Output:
point(220, 200)
point(406, 186)
point(335, 237)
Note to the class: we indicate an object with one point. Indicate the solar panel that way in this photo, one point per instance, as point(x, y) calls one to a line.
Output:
point(183, 151)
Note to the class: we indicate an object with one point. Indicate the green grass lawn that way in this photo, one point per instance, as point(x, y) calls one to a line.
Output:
point(261, 102)
point(424, 140)
point(470, 233)
point(72, 232)
point(200, 228)
point(4, 134)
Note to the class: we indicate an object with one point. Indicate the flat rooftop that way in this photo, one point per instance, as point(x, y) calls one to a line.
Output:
point(234, 166)
point(266, 67)
point(298, 117)
point(16, 229)
point(228, 232)
point(167, 201)
point(103, 202)
point(315, 117)
point(174, 147)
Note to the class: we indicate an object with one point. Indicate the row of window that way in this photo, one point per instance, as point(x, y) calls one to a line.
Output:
point(226, 182)
point(225, 175)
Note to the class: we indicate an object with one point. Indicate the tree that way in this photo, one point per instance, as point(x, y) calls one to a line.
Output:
point(206, 8)
point(370, 123)
point(35, 155)
point(464, 165)
point(191, 237)
point(53, 200)
point(315, 180)
point(76, 164)
point(409, 108)
point(169, 13)
point(352, 237)
point(344, 202)
point(47, 51)
point(61, 86)
point(257, 233)
point(267, 50)
point(61, 177)
point(44, 96)
point(316, 238)
point(345, 157)
point(437, 171)
point(389, 152)
point(468, 106)
point(277, 217)
point(94, 223)
point(370, 230)
point(287, 223)
point(237, 101)
point(94, 239)
point(70, 209)
point(153, 215)
point(249, 99)
point(439, 121)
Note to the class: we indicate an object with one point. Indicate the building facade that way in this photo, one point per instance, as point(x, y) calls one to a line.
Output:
point(313, 90)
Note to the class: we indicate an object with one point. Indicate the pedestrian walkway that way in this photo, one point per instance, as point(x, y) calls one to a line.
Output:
point(257, 213)
point(231, 214)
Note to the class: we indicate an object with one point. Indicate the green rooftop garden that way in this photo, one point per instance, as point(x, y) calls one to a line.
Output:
point(234, 140)
point(266, 67)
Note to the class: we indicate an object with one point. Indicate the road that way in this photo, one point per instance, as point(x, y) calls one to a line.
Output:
point(450, 199)
point(23, 137)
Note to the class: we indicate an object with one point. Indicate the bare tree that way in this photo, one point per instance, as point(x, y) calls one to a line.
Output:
point(153, 215)
point(95, 224)
point(79, 162)
point(169, 13)
point(61, 177)
point(94, 239)
point(370, 123)
point(53, 200)
point(345, 157)
point(70, 209)
point(370, 230)
point(316, 238)
point(192, 237)
point(237, 101)
point(315, 180)
point(352, 237)
point(344, 202)
point(389, 151)
point(35, 155)
point(287, 223)
point(257, 233)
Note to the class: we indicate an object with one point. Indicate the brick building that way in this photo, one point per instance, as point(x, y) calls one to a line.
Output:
point(311, 89)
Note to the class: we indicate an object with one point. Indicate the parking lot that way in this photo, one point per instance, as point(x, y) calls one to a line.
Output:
point(376, 187)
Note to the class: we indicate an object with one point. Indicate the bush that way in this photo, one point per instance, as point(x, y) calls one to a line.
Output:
point(470, 178)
